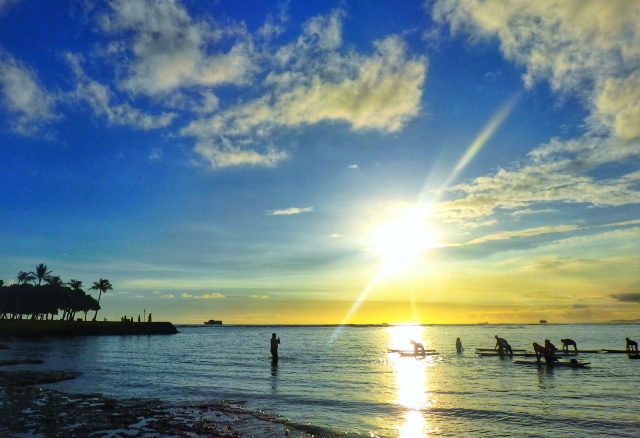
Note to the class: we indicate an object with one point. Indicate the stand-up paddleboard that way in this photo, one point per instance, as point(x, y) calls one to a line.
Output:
point(615, 351)
point(584, 351)
point(495, 349)
point(552, 364)
point(557, 354)
point(412, 354)
point(483, 354)
point(407, 351)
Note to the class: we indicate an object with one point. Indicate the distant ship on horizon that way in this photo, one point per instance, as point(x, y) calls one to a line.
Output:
point(543, 321)
point(213, 322)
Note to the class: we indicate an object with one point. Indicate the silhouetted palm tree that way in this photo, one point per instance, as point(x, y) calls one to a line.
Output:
point(41, 273)
point(25, 277)
point(103, 286)
point(75, 284)
point(54, 281)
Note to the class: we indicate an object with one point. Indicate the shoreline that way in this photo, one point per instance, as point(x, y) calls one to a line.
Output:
point(31, 410)
point(39, 328)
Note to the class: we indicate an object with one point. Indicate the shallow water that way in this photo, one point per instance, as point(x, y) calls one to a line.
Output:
point(346, 382)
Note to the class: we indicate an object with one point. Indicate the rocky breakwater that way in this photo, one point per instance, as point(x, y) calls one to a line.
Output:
point(37, 328)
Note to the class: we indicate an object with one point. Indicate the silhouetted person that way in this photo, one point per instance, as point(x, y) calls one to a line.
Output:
point(418, 348)
point(459, 345)
point(550, 354)
point(567, 342)
point(539, 350)
point(507, 348)
point(549, 346)
point(274, 347)
point(138, 318)
point(149, 319)
point(500, 345)
point(631, 345)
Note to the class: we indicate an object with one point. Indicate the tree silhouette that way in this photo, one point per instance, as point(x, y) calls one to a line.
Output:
point(75, 284)
point(25, 277)
point(54, 281)
point(103, 286)
point(41, 301)
point(41, 273)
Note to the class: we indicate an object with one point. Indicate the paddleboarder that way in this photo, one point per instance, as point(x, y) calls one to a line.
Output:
point(501, 344)
point(631, 345)
point(418, 348)
point(567, 342)
point(459, 345)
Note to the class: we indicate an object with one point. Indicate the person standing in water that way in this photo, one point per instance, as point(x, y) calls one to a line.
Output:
point(274, 347)
point(459, 345)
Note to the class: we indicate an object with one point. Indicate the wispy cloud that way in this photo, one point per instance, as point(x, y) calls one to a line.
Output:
point(170, 50)
point(211, 295)
point(22, 95)
point(259, 296)
point(4, 4)
point(101, 99)
point(352, 166)
point(632, 297)
point(167, 296)
point(588, 46)
point(524, 233)
point(584, 47)
point(204, 296)
point(315, 80)
point(289, 211)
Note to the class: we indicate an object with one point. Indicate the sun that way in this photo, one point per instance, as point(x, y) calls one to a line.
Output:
point(401, 242)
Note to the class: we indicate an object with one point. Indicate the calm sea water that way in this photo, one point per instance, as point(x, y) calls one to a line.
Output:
point(347, 383)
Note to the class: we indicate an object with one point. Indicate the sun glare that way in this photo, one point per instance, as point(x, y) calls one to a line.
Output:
point(401, 242)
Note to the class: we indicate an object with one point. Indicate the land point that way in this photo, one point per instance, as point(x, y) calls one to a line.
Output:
point(39, 328)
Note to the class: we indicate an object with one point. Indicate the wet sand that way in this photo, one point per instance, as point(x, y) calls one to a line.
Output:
point(31, 410)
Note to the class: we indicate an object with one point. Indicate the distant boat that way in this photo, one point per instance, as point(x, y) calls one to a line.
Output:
point(213, 322)
point(543, 321)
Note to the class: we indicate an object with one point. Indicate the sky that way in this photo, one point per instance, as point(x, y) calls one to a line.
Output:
point(329, 162)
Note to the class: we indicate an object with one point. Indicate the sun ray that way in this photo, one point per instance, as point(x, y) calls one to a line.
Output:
point(401, 254)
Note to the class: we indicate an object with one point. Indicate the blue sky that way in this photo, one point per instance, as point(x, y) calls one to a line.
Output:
point(448, 161)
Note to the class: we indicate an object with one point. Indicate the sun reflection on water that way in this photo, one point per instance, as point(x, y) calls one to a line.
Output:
point(412, 381)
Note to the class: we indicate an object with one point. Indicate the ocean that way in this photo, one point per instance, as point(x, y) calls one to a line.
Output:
point(343, 382)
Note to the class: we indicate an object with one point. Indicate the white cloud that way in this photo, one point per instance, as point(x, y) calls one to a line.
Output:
point(170, 50)
point(590, 47)
point(204, 296)
point(4, 4)
point(167, 296)
point(289, 211)
point(211, 295)
point(557, 172)
point(24, 97)
point(524, 233)
point(224, 154)
point(527, 211)
point(313, 80)
point(264, 297)
point(352, 166)
point(100, 98)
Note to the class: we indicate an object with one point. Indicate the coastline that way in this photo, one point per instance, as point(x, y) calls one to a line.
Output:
point(31, 410)
point(39, 328)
